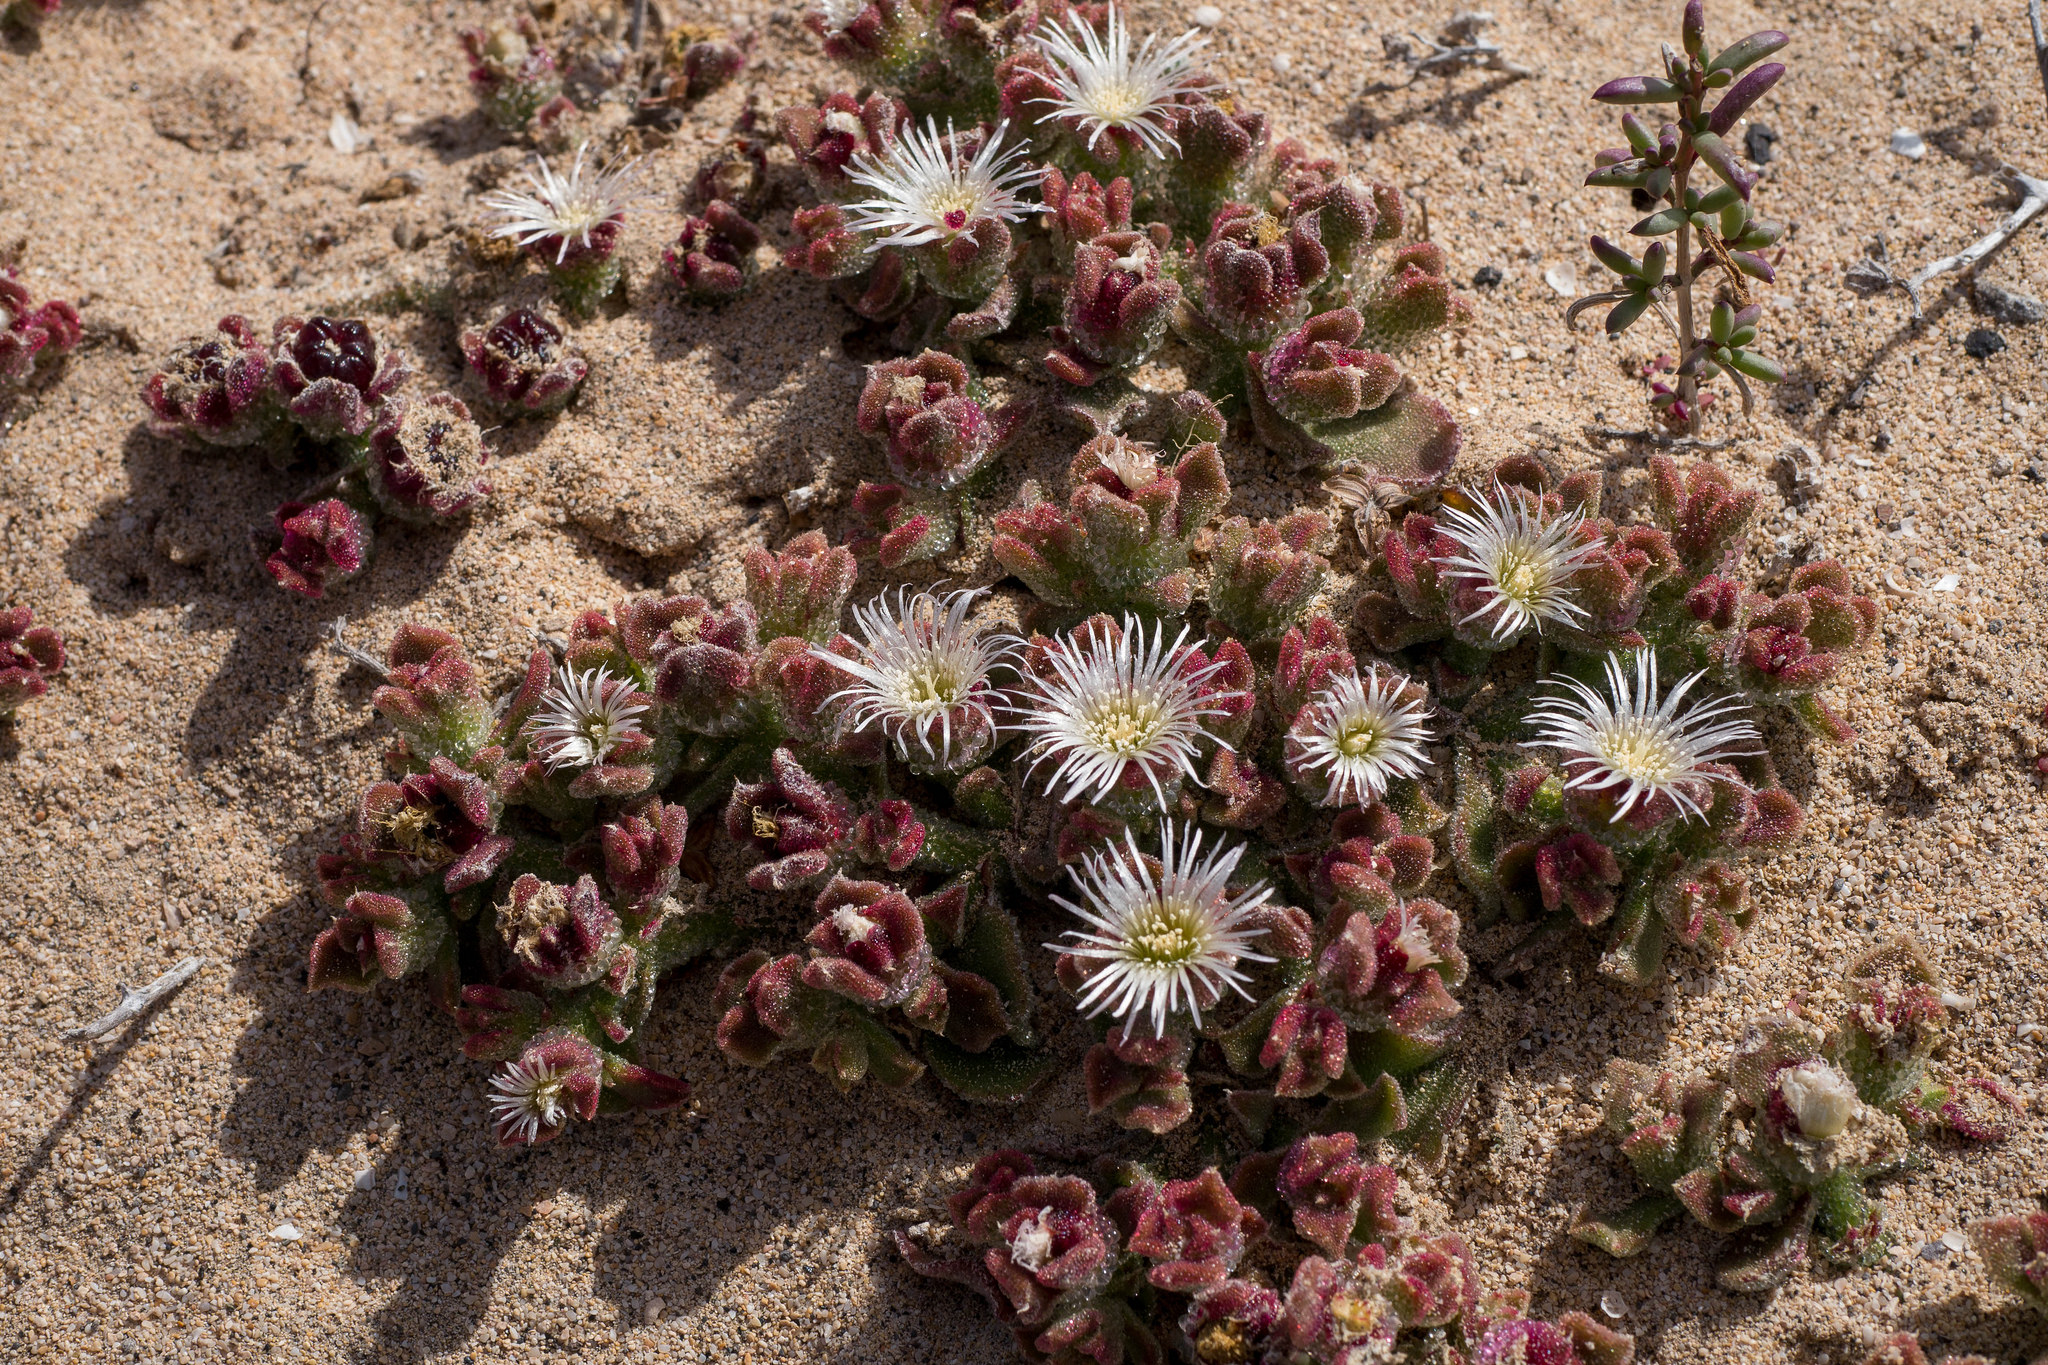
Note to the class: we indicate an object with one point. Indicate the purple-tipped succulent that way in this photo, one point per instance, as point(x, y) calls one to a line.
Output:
point(29, 656)
point(792, 817)
point(32, 335)
point(1118, 305)
point(217, 389)
point(1082, 209)
point(826, 139)
point(325, 544)
point(512, 74)
point(932, 415)
point(1255, 274)
point(378, 937)
point(2014, 1249)
point(524, 362)
point(1263, 576)
point(1315, 374)
point(880, 40)
point(426, 460)
point(334, 379)
point(713, 259)
point(801, 589)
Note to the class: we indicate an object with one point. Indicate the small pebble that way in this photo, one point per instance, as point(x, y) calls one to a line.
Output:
point(1207, 16)
point(1613, 1305)
point(1982, 343)
point(1934, 1251)
point(1961, 1003)
point(1953, 1240)
point(1757, 143)
point(1487, 277)
point(1282, 63)
point(286, 1232)
point(366, 1179)
point(1562, 279)
point(1908, 144)
point(651, 1314)
point(2009, 305)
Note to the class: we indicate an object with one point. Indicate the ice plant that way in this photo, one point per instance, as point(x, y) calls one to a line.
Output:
point(1115, 712)
point(1518, 561)
point(1102, 88)
point(2014, 1249)
point(524, 362)
point(571, 224)
point(527, 1100)
point(1783, 1149)
point(426, 459)
point(31, 335)
point(1631, 747)
point(713, 259)
point(29, 655)
point(323, 546)
point(333, 376)
point(1664, 168)
point(582, 717)
point(513, 75)
point(217, 389)
point(924, 677)
point(1356, 736)
point(1161, 943)
point(949, 200)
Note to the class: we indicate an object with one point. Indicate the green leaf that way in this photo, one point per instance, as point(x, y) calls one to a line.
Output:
point(1381, 1110)
point(1748, 51)
point(1716, 199)
point(1003, 1074)
point(1625, 1232)
point(1658, 223)
point(1614, 258)
point(1623, 315)
point(1757, 367)
point(1623, 175)
point(1721, 322)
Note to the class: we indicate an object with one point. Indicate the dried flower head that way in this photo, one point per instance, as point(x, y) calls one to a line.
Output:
point(1520, 559)
point(1116, 702)
point(1103, 85)
point(527, 1100)
point(583, 717)
point(925, 191)
point(1822, 1099)
point(836, 16)
point(566, 209)
point(1628, 740)
point(1166, 942)
point(923, 673)
point(1360, 734)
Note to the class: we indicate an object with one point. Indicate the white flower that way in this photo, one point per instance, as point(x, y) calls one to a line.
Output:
point(1821, 1098)
point(1108, 708)
point(1363, 733)
point(569, 208)
point(582, 717)
point(925, 192)
point(838, 15)
point(1163, 945)
point(1521, 559)
point(1134, 463)
point(1626, 739)
point(922, 671)
point(1416, 949)
point(1103, 85)
point(527, 1098)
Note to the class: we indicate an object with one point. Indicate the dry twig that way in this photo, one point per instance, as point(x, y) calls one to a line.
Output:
point(1459, 47)
point(135, 1002)
point(338, 642)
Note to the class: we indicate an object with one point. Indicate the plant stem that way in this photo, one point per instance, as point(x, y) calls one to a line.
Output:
point(1688, 384)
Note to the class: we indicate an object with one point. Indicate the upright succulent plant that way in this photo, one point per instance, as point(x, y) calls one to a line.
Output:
point(1784, 1148)
point(1663, 167)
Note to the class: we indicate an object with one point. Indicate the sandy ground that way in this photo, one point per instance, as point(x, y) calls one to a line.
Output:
point(170, 794)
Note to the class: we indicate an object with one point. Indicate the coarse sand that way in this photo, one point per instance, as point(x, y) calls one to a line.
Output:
point(253, 1173)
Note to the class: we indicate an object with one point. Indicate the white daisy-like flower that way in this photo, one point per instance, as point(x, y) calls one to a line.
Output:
point(922, 670)
point(1109, 707)
point(1361, 734)
point(924, 191)
point(1164, 945)
point(838, 15)
point(1630, 741)
point(526, 1098)
point(568, 207)
point(582, 717)
point(1102, 84)
point(1134, 463)
point(1521, 558)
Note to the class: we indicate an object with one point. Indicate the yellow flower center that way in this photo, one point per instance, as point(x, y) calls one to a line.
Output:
point(1354, 1317)
point(1167, 932)
point(1124, 726)
point(1359, 738)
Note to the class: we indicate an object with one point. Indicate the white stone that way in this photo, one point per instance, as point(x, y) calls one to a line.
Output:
point(1207, 16)
point(366, 1179)
point(1562, 279)
point(1908, 144)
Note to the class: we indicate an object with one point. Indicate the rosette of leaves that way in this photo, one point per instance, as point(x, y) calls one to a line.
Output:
point(1783, 1150)
point(945, 970)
